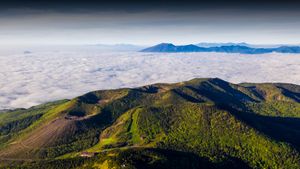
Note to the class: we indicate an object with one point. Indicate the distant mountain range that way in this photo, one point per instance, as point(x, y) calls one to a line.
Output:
point(208, 44)
point(168, 47)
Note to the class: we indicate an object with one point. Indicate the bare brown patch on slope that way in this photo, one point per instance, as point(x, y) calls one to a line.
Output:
point(45, 136)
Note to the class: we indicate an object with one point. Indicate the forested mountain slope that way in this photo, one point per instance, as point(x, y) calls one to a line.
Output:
point(201, 123)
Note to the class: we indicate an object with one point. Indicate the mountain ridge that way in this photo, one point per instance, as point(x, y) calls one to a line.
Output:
point(215, 44)
point(171, 48)
point(211, 122)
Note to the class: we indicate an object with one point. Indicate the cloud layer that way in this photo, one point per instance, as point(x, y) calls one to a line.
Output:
point(41, 76)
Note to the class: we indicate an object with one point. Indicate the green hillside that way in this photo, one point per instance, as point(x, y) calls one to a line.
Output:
point(201, 123)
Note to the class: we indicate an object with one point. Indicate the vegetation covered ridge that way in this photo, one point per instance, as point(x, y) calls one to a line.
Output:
point(201, 123)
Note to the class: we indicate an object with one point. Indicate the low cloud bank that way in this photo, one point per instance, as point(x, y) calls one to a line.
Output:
point(28, 79)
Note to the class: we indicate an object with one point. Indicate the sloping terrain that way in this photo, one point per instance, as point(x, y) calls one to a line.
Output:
point(201, 123)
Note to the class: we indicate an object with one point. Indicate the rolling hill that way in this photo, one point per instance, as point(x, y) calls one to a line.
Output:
point(201, 123)
point(168, 47)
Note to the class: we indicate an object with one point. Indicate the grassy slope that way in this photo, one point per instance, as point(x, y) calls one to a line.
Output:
point(254, 125)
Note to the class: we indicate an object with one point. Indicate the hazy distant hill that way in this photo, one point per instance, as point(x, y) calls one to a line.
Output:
point(201, 123)
point(168, 47)
point(119, 47)
point(207, 45)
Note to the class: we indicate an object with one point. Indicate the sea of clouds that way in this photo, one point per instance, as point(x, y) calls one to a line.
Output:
point(31, 78)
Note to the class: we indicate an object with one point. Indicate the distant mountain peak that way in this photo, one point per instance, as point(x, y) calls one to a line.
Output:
point(166, 45)
point(162, 47)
